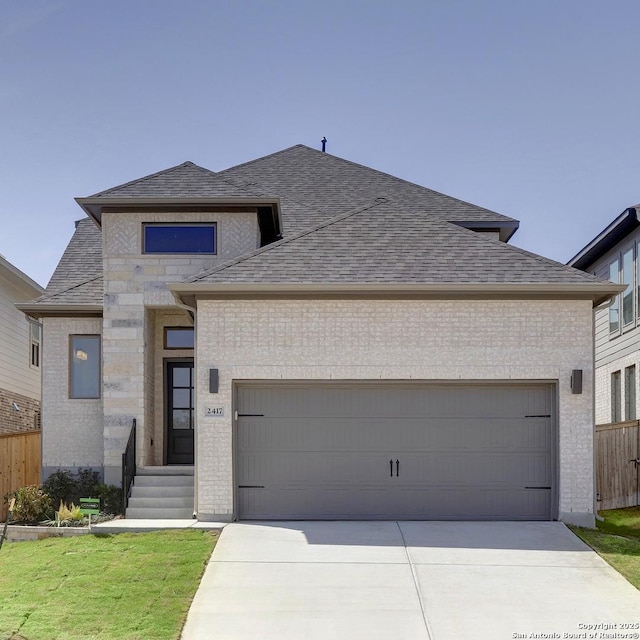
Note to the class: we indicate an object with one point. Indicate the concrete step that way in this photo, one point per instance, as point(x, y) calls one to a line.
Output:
point(162, 481)
point(157, 513)
point(162, 492)
point(185, 502)
point(172, 470)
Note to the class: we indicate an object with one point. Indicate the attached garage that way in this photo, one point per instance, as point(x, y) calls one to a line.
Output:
point(404, 450)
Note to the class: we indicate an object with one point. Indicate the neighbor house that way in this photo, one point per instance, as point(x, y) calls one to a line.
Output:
point(20, 353)
point(614, 255)
point(304, 337)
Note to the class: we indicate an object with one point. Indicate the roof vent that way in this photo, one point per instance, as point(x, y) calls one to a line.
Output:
point(324, 144)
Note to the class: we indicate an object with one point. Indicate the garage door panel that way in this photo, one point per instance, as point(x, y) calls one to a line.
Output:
point(462, 451)
point(382, 434)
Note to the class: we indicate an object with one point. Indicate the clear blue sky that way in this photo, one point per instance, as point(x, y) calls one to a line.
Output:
point(531, 109)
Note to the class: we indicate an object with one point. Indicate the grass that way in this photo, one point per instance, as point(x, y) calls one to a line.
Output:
point(130, 586)
point(617, 540)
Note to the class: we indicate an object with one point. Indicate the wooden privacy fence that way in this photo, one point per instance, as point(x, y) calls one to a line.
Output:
point(20, 463)
point(618, 464)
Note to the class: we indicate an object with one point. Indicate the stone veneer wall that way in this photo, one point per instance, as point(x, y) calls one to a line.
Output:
point(133, 284)
point(395, 340)
point(27, 418)
point(71, 428)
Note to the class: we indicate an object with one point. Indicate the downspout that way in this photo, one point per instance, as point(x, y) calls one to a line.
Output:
point(600, 307)
point(192, 311)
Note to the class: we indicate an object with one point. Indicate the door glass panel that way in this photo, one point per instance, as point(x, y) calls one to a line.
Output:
point(181, 419)
point(182, 377)
point(181, 399)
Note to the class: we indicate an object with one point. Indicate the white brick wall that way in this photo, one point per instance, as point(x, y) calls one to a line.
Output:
point(395, 339)
point(71, 428)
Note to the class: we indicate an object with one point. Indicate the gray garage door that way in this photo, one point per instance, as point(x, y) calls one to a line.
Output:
point(392, 451)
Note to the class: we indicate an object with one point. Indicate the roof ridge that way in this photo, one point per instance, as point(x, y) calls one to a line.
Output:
point(287, 240)
point(51, 294)
point(362, 166)
point(269, 155)
point(188, 163)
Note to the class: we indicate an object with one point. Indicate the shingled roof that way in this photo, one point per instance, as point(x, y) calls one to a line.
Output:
point(342, 223)
point(182, 181)
point(82, 258)
point(386, 243)
point(330, 185)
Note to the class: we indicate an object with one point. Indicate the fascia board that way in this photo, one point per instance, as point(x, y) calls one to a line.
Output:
point(93, 206)
point(597, 292)
point(43, 309)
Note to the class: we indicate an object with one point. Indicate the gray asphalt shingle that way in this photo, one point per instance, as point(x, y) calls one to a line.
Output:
point(342, 222)
point(383, 244)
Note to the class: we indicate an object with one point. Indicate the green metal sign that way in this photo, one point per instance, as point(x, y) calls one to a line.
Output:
point(90, 506)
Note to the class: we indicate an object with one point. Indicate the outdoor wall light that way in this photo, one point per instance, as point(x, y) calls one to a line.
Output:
point(576, 381)
point(213, 381)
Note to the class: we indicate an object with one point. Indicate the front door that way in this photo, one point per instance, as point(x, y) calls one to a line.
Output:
point(179, 418)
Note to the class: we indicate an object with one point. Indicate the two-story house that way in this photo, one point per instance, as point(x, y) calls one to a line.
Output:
point(614, 255)
point(303, 337)
point(20, 353)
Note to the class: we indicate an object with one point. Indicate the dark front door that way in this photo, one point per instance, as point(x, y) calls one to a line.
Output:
point(179, 389)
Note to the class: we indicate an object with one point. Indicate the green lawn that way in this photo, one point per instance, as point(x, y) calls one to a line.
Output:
point(617, 540)
point(130, 586)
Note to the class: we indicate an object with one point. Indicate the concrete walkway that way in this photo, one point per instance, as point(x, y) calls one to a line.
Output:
point(407, 580)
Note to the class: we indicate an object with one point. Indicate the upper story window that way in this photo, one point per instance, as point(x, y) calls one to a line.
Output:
point(84, 366)
point(179, 338)
point(614, 309)
point(625, 269)
point(35, 340)
point(626, 277)
point(179, 238)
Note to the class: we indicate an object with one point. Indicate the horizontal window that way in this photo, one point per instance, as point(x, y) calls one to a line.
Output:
point(178, 338)
point(179, 238)
point(84, 363)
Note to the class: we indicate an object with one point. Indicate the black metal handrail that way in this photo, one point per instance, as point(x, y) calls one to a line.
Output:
point(128, 467)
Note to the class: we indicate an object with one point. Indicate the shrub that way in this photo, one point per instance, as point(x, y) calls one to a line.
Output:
point(32, 504)
point(60, 486)
point(110, 498)
point(67, 487)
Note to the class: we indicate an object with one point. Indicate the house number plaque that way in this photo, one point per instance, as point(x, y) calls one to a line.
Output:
point(214, 412)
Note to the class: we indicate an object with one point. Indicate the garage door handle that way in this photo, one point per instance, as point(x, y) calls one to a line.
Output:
point(397, 468)
point(636, 462)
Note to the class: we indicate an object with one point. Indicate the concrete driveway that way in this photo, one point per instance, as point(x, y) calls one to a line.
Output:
point(408, 580)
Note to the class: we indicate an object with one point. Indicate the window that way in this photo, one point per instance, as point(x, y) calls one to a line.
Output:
point(35, 339)
point(630, 393)
point(179, 338)
point(627, 294)
point(84, 369)
point(179, 238)
point(614, 309)
point(615, 397)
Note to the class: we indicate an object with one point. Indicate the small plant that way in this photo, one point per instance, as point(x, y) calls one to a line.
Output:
point(32, 504)
point(68, 514)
